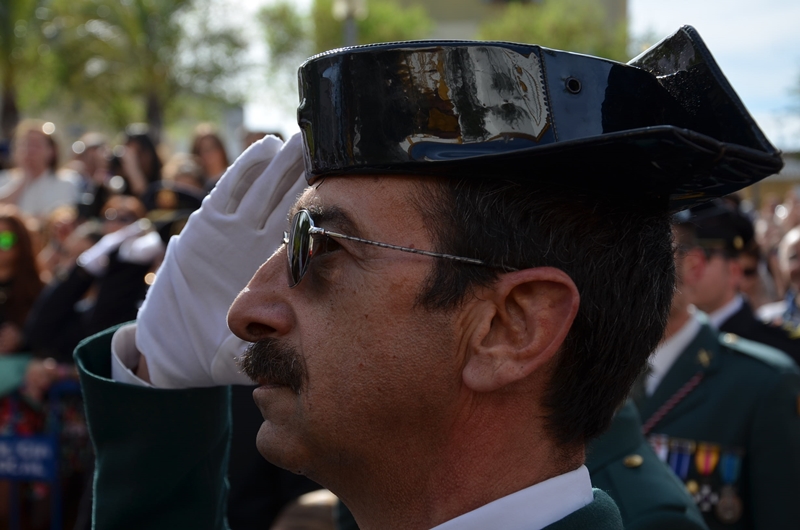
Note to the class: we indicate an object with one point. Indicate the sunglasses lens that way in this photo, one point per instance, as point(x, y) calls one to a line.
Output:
point(7, 240)
point(298, 248)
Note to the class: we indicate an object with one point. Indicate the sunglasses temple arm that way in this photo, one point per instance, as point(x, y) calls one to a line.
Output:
point(322, 231)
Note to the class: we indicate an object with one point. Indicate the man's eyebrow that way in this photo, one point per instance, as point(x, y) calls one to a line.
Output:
point(333, 218)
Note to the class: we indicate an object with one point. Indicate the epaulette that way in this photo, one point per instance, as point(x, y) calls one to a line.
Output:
point(762, 352)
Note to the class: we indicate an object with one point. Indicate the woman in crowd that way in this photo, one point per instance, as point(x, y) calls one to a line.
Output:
point(141, 165)
point(33, 184)
point(207, 146)
point(20, 284)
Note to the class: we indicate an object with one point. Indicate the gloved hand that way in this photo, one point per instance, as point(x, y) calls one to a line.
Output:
point(182, 328)
point(95, 260)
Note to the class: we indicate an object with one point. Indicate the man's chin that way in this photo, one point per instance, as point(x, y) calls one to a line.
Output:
point(276, 449)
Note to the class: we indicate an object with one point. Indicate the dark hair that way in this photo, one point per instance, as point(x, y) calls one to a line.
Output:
point(139, 134)
point(26, 283)
point(617, 251)
point(204, 131)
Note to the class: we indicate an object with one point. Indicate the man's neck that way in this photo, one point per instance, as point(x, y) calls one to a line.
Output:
point(671, 348)
point(469, 471)
point(721, 315)
point(726, 299)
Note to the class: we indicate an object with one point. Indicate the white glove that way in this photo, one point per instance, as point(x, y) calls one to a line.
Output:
point(95, 260)
point(182, 328)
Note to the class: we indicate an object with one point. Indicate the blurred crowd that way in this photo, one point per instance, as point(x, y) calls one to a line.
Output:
point(769, 259)
point(80, 241)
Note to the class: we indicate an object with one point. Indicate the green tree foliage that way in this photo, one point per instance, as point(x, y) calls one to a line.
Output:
point(19, 50)
point(575, 25)
point(287, 32)
point(132, 58)
point(386, 21)
point(292, 36)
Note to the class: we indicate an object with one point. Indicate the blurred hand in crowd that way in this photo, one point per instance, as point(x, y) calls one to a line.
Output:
point(10, 338)
point(121, 211)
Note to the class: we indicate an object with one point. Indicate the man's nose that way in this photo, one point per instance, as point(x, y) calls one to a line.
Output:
point(261, 310)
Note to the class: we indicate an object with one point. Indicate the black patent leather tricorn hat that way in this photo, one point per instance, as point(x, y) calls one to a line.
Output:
point(667, 125)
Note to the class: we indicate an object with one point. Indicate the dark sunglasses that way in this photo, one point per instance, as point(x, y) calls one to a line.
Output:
point(7, 240)
point(300, 246)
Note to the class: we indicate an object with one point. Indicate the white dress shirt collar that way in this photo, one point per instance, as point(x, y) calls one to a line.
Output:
point(668, 352)
point(725, 312)
point(533, 508)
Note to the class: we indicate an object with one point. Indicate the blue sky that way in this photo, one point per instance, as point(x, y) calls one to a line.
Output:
point(756, 43)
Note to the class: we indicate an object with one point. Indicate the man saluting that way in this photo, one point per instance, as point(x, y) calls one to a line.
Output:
point(465, 293)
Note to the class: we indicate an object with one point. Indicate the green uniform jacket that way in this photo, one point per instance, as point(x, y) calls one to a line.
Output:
point(161, 455)
point(601, 514)
point(726, 418)
point(649, 495)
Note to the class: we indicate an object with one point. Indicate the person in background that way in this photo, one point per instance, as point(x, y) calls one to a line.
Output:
point(33, 184)
point(141, 165)
point(207, 146)
point(21, 411)
point(185, 172)
point(56, 323)
point(91, 162)
point(757, 284)
point(20, 283)
point(57, 228)
point(722, 411)
point(768, 235)
point(120, 211)
point(786, 312)
point(105, 285)
point(719, 235)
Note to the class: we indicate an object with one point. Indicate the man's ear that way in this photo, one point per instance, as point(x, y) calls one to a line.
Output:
point(521, 324)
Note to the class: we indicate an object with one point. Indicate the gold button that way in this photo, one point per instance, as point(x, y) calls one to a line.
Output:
point(692, 487)
point(704, 358)
point(633, 461)
point(729, 338)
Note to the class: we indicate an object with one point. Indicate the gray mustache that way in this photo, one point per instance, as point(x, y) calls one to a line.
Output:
point(274, 362)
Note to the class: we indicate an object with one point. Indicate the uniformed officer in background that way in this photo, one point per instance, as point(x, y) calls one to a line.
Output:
point(723, 234)
point(647, 493)
point(723, 412)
